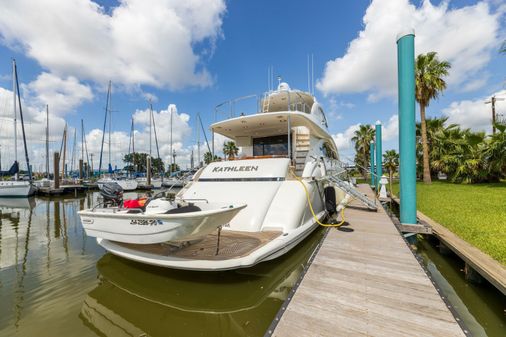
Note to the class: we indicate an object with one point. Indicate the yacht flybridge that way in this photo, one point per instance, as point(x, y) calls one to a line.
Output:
point(281, 185)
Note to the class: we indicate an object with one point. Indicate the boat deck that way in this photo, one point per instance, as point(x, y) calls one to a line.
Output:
point(232, 244)
point(365, 281)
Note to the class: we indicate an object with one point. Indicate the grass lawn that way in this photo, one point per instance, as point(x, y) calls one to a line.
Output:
point(476, 213)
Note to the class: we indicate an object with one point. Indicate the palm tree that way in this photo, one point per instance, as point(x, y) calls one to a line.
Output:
point(429, 75)
point(495, 153)
point(390, 162)
point(209, 158)
point(362, 139)
point(230, 150)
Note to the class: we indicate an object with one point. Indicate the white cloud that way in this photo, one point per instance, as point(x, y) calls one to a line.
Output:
point(138, 43)
point(120, 141)
point(464, 36)
point(475, 114)
point(63, 94)
point(343, 139)
point(391, 128)
point(35, 129)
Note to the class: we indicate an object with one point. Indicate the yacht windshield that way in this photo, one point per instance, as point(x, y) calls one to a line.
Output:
point(274, 145)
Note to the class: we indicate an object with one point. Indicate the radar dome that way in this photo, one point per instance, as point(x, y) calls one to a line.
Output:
point(283, 86)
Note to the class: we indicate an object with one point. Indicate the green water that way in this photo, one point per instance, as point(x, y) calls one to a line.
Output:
point(56, 281)
point(481, 306)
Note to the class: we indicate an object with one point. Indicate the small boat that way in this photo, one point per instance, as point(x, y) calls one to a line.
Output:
point(174, 182)
point(155, 182)
point(126, 184)
point(16, 188)
point(160, 221)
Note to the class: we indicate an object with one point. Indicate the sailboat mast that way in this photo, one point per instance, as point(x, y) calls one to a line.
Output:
point(47, 141)
point(110, 122)
point(22, 124)
point(150, 125)
point(64, 151)
point(103, 130)
point(198, 139)
point(171, 154)
point(15, 110)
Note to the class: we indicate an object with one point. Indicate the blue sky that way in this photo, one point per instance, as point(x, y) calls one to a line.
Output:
point(196, 54)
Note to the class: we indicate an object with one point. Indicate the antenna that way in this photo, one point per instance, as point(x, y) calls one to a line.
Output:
point(308, 77)
point(312, 74)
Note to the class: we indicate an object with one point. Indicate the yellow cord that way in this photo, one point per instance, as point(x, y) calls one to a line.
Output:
point(311, 207)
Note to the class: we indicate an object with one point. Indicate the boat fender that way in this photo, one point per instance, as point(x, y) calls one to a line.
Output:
point(330, 200)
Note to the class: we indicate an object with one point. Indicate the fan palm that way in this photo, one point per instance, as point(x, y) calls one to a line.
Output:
point(362, 139)
point(495, 153)
point(209, 158)
point(429, 73)
point(230, 150)
point(390, 162)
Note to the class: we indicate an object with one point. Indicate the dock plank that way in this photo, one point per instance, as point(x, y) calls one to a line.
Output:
point(366, 282)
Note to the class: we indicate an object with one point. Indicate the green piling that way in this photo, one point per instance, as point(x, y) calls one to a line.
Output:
point(371, 151)
point(407, 144)
point(379, 155)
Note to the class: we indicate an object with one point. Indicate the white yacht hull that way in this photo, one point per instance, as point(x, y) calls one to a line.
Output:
point(16, 189)
point(275, 248)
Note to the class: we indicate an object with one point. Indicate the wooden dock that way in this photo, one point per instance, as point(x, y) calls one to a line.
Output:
point(365, 281)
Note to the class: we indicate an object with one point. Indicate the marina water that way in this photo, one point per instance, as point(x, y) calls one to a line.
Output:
point(56, 281)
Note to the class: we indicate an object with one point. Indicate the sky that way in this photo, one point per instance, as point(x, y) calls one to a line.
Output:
point(188, 56)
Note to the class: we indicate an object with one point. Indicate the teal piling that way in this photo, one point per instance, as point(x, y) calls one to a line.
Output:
point(379, 155)
point(407, 145)
point(371, 151)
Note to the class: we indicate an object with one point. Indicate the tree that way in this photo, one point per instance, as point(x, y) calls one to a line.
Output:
point(137, 161)
point(391, 162)
point(495, 153)
point(429, 73)
point(230, 150)
point(209, 158)
point(362, 139)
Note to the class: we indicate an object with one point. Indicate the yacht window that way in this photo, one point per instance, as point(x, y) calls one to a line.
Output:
point(274, 145)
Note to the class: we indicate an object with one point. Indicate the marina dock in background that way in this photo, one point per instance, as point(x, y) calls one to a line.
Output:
point(364, 280)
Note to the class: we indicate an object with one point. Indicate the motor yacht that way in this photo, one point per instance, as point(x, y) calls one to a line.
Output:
point(281, 178)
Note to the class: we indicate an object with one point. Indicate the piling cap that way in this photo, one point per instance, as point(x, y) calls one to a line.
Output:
point(404, 32)
point(378, 122)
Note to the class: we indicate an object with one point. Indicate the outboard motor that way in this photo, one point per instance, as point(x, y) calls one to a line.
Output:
point(112, 193)
point(330, 200)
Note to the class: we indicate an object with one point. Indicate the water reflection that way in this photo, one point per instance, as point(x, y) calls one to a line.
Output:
point(134, 299)
point(42, 266)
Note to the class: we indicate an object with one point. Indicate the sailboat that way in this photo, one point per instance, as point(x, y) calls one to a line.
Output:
point(16, 187)
point(125, 183)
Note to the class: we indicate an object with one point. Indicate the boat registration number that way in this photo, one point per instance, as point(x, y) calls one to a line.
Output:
point(146, 222)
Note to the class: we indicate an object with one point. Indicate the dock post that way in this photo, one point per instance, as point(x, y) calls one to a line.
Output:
point(148, 170)
point(81, 175)
point(371, 151)
point(379, 156)
point(407, 140)
point(56, 163)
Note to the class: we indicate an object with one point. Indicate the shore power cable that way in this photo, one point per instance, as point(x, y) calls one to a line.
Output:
point(311, 206)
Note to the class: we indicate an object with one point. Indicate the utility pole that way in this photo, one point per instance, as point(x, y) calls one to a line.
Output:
point(492, 101)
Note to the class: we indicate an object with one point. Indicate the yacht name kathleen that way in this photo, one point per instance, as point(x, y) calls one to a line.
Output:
point(235, 168)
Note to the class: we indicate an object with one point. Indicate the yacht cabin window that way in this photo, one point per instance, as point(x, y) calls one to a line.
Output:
point(273, 145)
